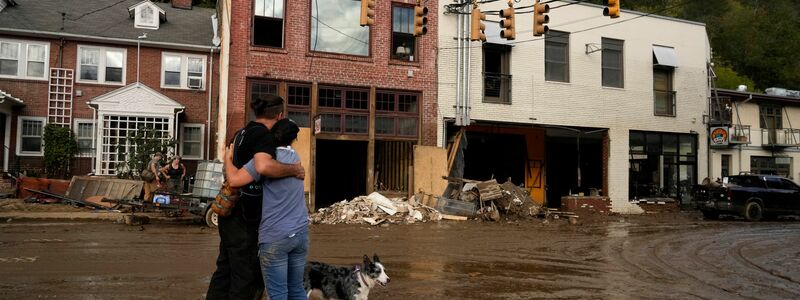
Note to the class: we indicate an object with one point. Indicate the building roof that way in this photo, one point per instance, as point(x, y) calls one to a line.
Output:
point(108, 19)
point(741, 96)
point(14, 100)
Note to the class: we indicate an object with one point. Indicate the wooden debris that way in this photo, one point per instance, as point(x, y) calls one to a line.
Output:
point(454, 218)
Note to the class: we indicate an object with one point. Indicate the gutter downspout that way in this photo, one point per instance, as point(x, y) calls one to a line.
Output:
point(458, 71)
point(208, 107)
point(467, 66)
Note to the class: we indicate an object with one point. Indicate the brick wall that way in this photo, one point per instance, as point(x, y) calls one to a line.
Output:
point(295, 62)
point(34, 92)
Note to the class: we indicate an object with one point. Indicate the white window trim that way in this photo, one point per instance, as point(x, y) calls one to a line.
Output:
point(184, 85)
point(20, 119)
point(22, 59)
point(101, 66)
point(94, 135)
point(202, 140)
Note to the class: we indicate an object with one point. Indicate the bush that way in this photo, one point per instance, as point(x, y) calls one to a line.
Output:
point(138, 149)
point(60, 146)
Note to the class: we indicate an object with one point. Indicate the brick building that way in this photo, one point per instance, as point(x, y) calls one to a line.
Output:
point(615, 105)
point(77, 64)
point(373, 89)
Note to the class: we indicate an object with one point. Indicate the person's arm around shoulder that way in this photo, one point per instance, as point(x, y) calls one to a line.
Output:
point(238, 177)
point(266, 165)
point(183, 175)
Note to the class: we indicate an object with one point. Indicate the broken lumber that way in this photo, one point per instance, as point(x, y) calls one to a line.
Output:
point(453, 218)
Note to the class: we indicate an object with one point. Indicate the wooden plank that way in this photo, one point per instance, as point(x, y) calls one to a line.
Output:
point(454, 218)
point(371, 144)
point(429, 166)
point(312, 205)
point(453, 150)
point(303, 147)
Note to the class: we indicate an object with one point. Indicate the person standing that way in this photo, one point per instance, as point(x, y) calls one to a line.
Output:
point(238, 275)
point(283, 232)
point(150, 177)
point(174, 173)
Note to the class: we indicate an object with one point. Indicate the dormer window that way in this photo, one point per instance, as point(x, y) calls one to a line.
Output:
point(146, 15)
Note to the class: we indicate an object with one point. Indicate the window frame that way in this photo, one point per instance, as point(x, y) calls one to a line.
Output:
point(396, 114)
point(253, 17)
point(184, 73)
point(101, 65)
point(762, 114)
point(299, 108)
point(311, 37)
point(670, 73)
point(343, 111)
point(505, 70)
point(613, 43)
point(562, 39)
point(75, 130)
point(415, 49)
point(20, 120)
point(22, 59)
point(182, 140)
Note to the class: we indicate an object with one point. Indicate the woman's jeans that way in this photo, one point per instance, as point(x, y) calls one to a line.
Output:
point(283, 265)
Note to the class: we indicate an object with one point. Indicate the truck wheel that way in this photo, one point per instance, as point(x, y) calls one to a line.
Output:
point(753, 211)
point(710, 215)
point(212, 219)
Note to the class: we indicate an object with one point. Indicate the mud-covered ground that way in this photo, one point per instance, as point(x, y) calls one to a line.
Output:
point(652, 256)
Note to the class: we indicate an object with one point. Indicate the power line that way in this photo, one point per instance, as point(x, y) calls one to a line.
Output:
point(96, 10)
point(685, 2)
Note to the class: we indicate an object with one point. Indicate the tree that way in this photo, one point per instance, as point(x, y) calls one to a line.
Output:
point(60, 146)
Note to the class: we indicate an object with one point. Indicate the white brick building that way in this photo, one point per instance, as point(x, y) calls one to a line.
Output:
point(631, 146)
point(762, 131)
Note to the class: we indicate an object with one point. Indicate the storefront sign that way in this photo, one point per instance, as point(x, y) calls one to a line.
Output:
point(719, 136)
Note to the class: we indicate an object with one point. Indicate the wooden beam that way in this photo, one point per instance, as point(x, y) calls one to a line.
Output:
point(313, 166)
point(371, 144)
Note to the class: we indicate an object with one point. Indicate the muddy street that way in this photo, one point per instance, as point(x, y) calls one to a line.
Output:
point(668, 256)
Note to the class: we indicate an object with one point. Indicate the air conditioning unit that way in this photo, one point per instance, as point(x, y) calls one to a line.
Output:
point(195, 82)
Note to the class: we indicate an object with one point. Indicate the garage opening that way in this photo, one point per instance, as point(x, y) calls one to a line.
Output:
point(574, 163)
point(392, 162)
point(341, 171)
point(493, 155)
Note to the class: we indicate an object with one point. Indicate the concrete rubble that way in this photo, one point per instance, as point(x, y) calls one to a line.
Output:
point(375, 209)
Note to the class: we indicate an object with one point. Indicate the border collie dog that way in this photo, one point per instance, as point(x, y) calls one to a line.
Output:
point(323, 281)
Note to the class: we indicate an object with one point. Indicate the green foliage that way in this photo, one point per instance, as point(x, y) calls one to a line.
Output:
point(727, 78)
point(138, 149)
point(60, 146)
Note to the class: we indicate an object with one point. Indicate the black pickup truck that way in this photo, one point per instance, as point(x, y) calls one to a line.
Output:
point(751, 196)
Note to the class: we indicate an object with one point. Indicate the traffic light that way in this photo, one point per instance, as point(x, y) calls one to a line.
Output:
point(612, 8)
point(508, 31)
point(367, 12)
point(476, 34)
point(540, 18)
point(420, 20)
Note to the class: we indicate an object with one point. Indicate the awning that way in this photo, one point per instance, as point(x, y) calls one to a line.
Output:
point(14, 101)
point(665, 56)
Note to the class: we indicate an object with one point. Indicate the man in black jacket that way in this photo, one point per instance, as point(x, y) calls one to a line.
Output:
point(238, 274)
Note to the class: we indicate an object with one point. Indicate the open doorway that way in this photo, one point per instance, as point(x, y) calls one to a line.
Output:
point(341, 171)
point(493, 155)
point(574, 165)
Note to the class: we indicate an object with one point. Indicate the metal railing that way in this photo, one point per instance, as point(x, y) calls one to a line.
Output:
point(664, 103)
point(721, 111)
point(496, 87)
point(785, 137)
point(739, 134)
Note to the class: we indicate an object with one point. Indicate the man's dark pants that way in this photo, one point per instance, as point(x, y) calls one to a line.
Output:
point(238, 274)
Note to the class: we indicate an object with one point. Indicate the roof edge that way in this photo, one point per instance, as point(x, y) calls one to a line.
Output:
point(82, 37)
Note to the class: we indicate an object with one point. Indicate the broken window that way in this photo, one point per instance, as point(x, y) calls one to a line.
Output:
point(404, 44)
point(335, 28)
point(556, 56)
point(268, 23)
point(496, 73)
point(662, 165)
point(613, 73)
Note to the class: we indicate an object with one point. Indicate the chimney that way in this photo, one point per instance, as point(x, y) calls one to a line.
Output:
point(182, 4)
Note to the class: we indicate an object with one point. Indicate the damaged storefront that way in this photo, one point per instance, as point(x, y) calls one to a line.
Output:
point(662, 166)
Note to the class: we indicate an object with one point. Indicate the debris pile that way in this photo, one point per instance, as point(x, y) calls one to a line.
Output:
point(375, 209)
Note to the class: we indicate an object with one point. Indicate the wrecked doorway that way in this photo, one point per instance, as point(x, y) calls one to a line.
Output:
point(574, 164)
point(494, 155)
point(393, 160)
point(341, 171)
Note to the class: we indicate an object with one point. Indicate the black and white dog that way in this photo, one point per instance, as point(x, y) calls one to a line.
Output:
point(330, 282)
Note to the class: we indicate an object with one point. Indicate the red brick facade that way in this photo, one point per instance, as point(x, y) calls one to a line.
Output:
point(34, 93)
point(297, 63)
